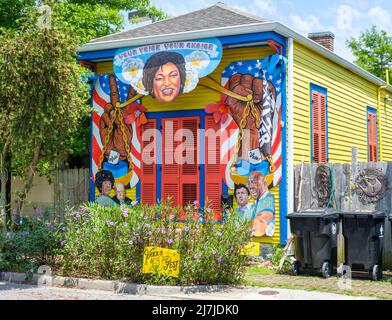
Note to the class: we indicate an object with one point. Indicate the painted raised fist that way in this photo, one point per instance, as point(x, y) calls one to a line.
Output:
point(116, 142)
point(259, 89)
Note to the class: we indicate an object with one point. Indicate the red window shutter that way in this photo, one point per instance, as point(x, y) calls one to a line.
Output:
point(319, 127)
point(148, 169)
point(213, 183)
point(190, 169)
point(372, 136)
point(170, 167)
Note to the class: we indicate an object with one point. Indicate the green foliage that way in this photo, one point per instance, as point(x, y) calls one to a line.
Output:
point(12, 10)
point(277, 256)
point(42, 95)
point(108, 242)
point(86, 19)
point(36, 244)
point(373, 51)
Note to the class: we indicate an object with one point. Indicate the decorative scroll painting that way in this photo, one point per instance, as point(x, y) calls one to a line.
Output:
point(167, 70)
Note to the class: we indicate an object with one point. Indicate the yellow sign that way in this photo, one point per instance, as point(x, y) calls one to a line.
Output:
point(251, 249)
point(162, 261)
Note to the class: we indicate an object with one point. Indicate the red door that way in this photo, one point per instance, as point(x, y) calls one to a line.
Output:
point(180, 166)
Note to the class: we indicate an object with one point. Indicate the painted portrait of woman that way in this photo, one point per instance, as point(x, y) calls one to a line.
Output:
point(164, 75)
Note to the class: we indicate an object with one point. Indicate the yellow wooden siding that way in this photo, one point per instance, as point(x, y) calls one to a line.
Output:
point(349, 95)
point(386, 127)
point(200, 97)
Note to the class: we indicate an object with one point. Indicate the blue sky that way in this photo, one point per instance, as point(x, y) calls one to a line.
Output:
point(344, 18)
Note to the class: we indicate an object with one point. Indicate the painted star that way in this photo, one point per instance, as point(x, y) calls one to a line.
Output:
point(257, 74)
point(231, 67)
point(239, 63)
point(250, 68)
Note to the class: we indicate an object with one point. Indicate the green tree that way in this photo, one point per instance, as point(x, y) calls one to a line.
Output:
point(86, 18)
point(373, 51)
point(42, 97)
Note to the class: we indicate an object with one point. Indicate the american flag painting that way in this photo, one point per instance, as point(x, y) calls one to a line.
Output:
point(101, 96)
point(271, 70)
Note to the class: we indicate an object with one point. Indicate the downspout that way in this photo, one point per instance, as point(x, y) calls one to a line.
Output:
point(379, 115)
point(290, 132)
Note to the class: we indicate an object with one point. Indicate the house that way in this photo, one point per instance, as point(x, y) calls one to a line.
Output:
point(271, 96)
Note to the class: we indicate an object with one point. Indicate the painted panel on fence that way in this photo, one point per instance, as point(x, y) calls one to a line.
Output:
point(167, 70)
point(161, 261)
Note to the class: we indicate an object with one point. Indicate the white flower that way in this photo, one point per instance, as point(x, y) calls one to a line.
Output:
point(191, 80)
point(132, 70)
point(197, 60)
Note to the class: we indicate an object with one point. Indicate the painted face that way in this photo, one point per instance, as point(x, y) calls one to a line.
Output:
point(167, 83)
point(106, 187)
point(242, 197)
point(257, 186)
point(120, 191)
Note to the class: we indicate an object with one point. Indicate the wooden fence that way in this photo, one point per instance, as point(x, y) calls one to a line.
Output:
point(344, 177)
point(71, 188)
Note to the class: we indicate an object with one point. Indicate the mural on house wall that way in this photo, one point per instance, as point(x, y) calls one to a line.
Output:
point(253, 146)
point(250, 112)
point(115, 139)
point(167, 70)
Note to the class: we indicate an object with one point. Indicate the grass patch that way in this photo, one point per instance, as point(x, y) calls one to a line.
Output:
point(255, 270)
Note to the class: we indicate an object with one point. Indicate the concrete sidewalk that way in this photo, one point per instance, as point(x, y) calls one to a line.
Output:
point(15, 287)
point(11, 291)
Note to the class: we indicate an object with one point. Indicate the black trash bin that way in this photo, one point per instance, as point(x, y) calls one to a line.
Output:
point(315, 240)
point(363, 233)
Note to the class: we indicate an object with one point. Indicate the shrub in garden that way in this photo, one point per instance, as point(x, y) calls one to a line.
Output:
point(108, 242)
point(35, 244)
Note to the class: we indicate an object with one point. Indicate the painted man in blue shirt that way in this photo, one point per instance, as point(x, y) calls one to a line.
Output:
point(264, 208)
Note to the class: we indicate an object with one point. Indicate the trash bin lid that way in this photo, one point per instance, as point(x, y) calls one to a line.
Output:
point(315, 213)
point(363, 214)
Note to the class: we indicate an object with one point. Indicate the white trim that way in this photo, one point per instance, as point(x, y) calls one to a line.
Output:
point(290, 131)
point(235, 30)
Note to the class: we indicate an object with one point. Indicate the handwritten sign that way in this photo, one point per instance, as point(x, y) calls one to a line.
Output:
point(255, 156)
point(161, 261)
point(114, 156)
point(251, 249)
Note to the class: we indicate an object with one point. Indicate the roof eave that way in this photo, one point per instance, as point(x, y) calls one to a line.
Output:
point(235, 30)
point(186, 35)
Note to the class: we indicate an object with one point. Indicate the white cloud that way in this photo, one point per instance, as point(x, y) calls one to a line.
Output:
point(265, 6)
point(380, 17)
point(305, 26)
point(345, 16)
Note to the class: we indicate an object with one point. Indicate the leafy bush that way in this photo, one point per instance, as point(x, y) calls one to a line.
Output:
point(108, 242)
point(35, 244)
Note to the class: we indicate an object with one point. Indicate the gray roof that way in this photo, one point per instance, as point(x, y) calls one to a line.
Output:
point(216, 16)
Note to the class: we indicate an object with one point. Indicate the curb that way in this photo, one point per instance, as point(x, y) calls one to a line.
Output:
point(107, 285)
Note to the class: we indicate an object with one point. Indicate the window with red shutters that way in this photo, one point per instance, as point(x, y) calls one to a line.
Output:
point(190, 169)
point(180, 181)
point(148, 165)
point(170, 167)
point(372, 137)
point(319, 127)
point(213, 181)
